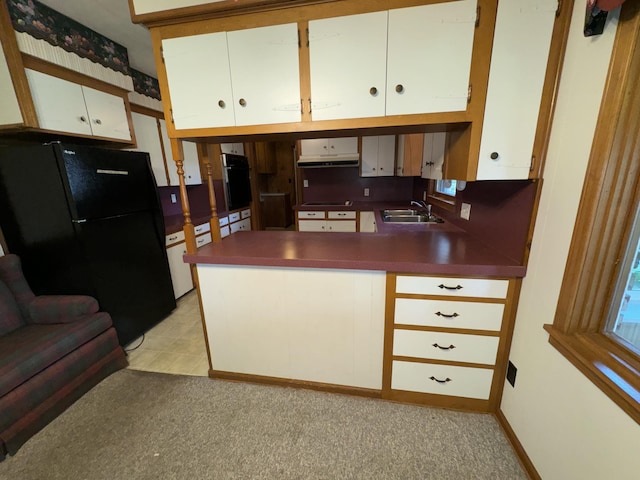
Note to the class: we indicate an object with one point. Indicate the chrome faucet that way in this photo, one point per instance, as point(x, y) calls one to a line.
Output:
point(422, 204)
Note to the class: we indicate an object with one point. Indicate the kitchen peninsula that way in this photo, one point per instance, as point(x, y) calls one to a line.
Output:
point(310, 309)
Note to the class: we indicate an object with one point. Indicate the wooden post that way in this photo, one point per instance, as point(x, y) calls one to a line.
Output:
point(206, 155)
point(189, 230)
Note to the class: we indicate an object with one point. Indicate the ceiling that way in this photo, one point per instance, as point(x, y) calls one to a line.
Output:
point(112, 19)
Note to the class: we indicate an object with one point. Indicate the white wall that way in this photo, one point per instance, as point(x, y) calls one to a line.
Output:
point(568, 427)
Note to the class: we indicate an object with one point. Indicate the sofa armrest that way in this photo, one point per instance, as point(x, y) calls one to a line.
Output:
point(60, 308)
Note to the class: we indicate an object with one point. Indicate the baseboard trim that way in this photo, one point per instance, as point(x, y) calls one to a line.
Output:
point(286, 382)
point(524, 459)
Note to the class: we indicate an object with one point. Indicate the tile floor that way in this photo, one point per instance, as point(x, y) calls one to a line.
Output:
point(176, 345)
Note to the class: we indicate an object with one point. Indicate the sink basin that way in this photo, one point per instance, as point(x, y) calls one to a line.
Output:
point(408, 216)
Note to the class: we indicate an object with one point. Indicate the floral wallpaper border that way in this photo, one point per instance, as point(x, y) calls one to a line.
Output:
point(144, 84)
point(42, 22)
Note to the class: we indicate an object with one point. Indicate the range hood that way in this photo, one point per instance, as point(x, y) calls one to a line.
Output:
point(323, 161)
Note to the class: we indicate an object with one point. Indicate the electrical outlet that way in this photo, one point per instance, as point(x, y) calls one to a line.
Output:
point(465, 211)
point(424, 196)
point(511, 374)
point(305, 183)
point(173, 198)
point(366, 192)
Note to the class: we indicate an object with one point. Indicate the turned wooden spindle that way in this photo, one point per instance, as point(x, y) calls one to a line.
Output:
point(189, 230)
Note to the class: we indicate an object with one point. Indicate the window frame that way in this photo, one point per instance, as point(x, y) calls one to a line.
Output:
point(607, 212)
point(446, 202)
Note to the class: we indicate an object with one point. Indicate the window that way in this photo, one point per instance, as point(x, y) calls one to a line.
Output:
point(596, 324)
point(446, 187)
point(443, 193)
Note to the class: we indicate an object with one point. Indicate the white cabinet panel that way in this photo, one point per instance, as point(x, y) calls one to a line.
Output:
point(368, 222)
point(59, 104)
point(341, 87)
point(312, 225)
point(107, 114)
point(180, 271)
point(202, 228)
point(452, 347)
point(341, 226)
point(433, 153)
point(315, 147)
point(9, 107)
point(148, 140)
point(449, 314)
point(456, 287)
point(199, 80)
point(341, 215)
point(378, 156)
point(442, 379)
point(235, 148)
point(191, 164)
point(515, 87)
point(242, 225)
point(203, 240)
point(429, 57)
point(265, 74)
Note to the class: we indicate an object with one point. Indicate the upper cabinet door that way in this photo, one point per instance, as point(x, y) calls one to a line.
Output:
point(59, 103)
point(148, 140)
point(107, 114)
point(199, 81)
point(429, 57)
point(348, 57)
point(515, 87)
point(9, 106)
point(265, 74)
point(191, 164)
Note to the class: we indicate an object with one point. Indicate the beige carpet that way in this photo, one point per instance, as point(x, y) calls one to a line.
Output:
point(142, 425)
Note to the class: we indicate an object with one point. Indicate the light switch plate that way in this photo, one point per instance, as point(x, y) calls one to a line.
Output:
point(366, 192)
point(465, 211)
point(305, 183)
point(173, 198)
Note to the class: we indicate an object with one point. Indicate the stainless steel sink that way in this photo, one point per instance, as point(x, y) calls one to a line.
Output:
point(408, 216)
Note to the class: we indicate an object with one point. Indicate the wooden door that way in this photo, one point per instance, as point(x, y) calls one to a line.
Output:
point(348, 66)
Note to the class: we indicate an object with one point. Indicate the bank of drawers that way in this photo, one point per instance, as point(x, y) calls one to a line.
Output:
point(446, 334)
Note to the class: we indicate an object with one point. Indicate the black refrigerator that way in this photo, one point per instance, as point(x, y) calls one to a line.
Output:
point(88, 220)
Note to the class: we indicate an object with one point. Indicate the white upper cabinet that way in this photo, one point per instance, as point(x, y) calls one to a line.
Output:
point(515, 87)
point(72, 108)
point(148, 140)
point(199, 80)
point(265, 74)
point(316, 147)
point(402, 61)
point(348, 66)
point(433, 153)
point(245, 77)
point(234, 148)
point(378, 155)
point(429, 57)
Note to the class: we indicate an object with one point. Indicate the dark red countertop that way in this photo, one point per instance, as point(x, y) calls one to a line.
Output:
point(441, 251)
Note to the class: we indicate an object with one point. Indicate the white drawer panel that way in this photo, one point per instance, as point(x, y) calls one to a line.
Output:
point(234, 217)
point(457, 287)
point(244, 225)
point(245, 213)
point(339, 226)
point(203, 240)
point(312, 226)
point(449, 314)
point(202, 228)
point(174, 238)
point(315, 214)
point(454, 347)
point(224, 231)
point(456, 381)
point(341, 215)
point(223, 221)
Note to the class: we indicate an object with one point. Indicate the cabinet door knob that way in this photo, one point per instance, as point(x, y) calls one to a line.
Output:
point(242, 102)
point(373, 91)
point(399, 88)
point(83, 119)
point(221, 104)
point(97, 121)
point(494, 155)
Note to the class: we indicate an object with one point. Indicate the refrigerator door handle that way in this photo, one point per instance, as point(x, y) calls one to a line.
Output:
point(82, 220)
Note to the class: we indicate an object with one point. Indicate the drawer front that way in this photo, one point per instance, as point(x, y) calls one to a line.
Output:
point(340, 226)
point(203, 240)
point(453, 347)
point(174, 238)
point(456, 381)
point(245, 213)
point(223, 221)
point(340, 215)
point(449, 314)
point(234, 217)
point(312, 225)
point(244, 225)
point(224, 231)
point(316, 214)
point(205, 227)
point(455, 287)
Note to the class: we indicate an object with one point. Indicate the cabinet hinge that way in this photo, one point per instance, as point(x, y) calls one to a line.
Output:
point(477, 16)
point(559, 9)
point(171, 112)
point(299, 42)
point(162, 54)
point(533, 162)
point(307, 36)
point(469, 92)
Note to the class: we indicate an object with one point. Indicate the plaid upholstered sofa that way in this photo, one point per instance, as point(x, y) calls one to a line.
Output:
point(53, 349)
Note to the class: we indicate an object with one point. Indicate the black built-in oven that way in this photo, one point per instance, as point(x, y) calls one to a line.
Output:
point(237, 181)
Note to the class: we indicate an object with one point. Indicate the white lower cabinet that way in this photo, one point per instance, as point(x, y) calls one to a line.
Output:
point(239, 221)
point(333, 221)
point(447, 334)
point(180, 271)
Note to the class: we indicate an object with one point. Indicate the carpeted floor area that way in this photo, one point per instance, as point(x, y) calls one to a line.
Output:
point(142, 425)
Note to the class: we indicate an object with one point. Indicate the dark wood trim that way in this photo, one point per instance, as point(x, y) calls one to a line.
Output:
point(524, 459)
point(435, 361)
point(389, 327)
point(150, 112)
point(463, 331)
point(287, 382)
point(610, 199)
point(434, 400)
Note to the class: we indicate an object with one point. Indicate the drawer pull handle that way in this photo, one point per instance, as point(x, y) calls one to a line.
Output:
point(457, 287)
point(450, 347)
point(453, 315)
point(446, 380)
